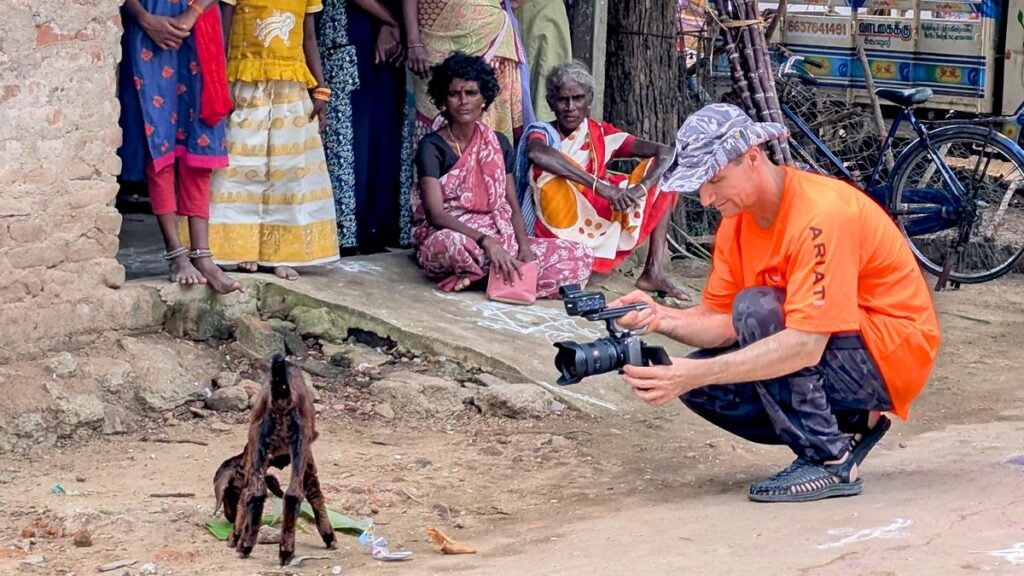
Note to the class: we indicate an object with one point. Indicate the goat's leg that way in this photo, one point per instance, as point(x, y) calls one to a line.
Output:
point(250, 515)
point(231, 499)
point(238, 515)
point(300, 450)
point(315, 497)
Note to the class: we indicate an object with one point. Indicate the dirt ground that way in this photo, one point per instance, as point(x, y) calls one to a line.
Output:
point(647, 492)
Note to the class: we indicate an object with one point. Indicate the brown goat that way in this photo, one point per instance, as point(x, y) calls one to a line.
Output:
point(282, 428)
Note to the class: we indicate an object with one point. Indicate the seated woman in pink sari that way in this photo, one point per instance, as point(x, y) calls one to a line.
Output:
point(466, 215)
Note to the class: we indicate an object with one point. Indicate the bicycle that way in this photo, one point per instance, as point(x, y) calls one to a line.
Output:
point(952, 191)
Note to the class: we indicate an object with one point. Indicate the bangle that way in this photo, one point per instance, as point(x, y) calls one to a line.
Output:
point(417, 45)
point(481, 239)
point(194, 5)
point(646, 191)
point(594, 186)
point(322, 93)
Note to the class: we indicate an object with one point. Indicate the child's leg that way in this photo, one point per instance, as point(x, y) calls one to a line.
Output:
point(194, 203)
point(161, 196)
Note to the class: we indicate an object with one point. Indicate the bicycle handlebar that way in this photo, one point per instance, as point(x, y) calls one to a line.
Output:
point(793, 67)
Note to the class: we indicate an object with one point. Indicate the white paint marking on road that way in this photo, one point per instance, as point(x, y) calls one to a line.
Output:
point(893, 530)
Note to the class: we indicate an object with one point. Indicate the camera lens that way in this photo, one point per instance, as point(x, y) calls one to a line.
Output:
point(576, 361)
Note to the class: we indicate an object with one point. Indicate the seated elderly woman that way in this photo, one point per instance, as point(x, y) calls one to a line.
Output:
point(564, 172)
point(466, 216)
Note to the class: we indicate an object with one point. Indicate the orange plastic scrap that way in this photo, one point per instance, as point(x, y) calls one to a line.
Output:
point(445, 544)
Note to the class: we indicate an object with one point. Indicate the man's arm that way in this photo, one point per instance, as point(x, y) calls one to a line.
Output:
point(777, 355)
point(697, 326)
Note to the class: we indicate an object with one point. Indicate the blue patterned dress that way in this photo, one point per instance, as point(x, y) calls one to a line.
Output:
point(341, 75)
point(371, 123)
point(159, 94)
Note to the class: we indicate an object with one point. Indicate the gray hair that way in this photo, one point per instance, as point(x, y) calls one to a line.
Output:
point(571, 72)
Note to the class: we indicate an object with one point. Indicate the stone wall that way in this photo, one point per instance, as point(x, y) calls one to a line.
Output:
point(59, 281)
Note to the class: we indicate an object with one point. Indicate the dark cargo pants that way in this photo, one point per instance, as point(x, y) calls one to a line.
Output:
point(812, 411)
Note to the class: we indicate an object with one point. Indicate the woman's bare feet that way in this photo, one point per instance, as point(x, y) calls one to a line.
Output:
point(247, 267)
point(220, 282)
point(183, 272)
point(461, 284)
point(286, 273)
point(659, 282)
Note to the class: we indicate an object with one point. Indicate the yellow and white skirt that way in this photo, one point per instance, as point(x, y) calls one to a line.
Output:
point(273, 205)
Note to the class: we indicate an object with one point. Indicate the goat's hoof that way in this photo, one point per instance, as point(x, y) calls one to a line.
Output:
point(286, 557)
point(332, 545)
point(244, 551)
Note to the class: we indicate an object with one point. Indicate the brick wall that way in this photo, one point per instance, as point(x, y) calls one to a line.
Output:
point(59, 281)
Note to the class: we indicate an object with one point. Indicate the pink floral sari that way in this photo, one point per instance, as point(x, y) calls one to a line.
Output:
point(475, 192)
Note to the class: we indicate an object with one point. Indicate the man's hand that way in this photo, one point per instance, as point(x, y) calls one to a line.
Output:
point(648, 320)
point(659, 385)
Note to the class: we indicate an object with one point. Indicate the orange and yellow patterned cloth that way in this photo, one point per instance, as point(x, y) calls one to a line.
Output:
point(571, 211)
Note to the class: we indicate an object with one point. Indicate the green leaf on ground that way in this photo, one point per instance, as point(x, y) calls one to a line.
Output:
point(222, 528)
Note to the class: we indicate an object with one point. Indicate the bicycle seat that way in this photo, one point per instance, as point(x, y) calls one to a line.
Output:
point(906, 97)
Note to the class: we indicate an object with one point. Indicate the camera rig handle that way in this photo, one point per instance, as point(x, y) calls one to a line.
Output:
point(610, 315)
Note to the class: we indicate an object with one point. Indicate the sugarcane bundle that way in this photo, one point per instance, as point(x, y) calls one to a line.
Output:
point(750, 67)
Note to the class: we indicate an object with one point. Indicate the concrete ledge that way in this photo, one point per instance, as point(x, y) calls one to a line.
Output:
point(387, 295)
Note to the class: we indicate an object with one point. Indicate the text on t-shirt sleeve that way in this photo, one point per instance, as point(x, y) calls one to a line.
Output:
point(821, 283)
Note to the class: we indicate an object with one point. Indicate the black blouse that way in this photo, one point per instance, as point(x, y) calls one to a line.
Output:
point(435, 157)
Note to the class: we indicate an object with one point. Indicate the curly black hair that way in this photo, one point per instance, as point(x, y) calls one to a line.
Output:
point(462, 66)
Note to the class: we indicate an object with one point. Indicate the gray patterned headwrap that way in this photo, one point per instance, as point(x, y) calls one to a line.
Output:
point(708, 140)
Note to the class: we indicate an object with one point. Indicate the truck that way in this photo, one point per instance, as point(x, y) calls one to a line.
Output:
point(970, 53)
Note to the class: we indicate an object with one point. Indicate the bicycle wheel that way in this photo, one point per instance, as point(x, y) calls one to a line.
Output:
point(985, 226)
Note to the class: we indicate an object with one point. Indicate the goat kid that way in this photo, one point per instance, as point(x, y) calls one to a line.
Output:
point(282, 428)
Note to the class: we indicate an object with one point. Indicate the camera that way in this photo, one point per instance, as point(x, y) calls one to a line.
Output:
point(576, 361)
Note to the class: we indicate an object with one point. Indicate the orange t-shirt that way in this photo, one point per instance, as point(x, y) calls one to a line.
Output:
point(845, 267)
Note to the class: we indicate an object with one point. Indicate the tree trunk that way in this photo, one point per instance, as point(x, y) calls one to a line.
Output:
point(642, 81)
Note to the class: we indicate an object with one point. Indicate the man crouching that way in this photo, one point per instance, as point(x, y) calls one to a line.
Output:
point(815, 318)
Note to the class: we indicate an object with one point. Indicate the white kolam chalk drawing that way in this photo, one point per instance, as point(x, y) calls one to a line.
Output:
point(354, 266)
point(548, 323)
point(1014, 555)
point(889, 531)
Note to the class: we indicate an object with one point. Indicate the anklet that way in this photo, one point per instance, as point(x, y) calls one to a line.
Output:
point(202, 253)
point(177, 252)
